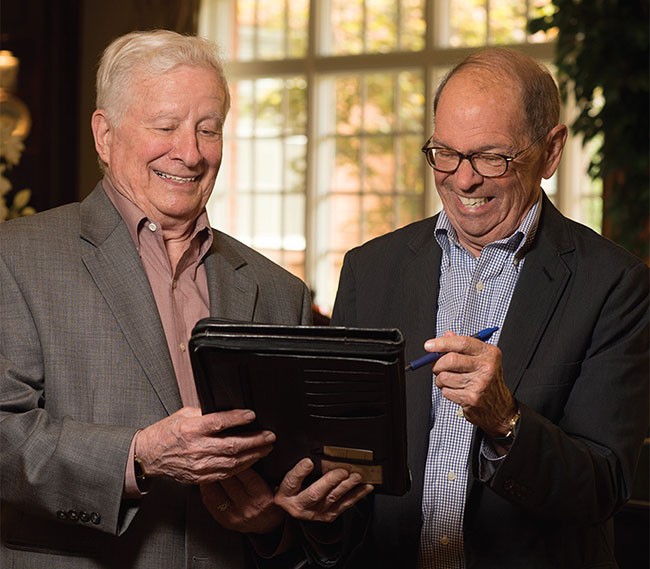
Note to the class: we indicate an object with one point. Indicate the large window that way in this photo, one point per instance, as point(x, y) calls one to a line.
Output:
point(331, 104)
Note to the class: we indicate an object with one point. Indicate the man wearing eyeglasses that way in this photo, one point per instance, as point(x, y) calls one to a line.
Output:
point(521, 448)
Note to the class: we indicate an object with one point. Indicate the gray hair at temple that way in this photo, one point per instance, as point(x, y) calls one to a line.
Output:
point(539, 93)
point(151, 52)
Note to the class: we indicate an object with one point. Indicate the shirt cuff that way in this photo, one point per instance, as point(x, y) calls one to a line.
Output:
point(488, 461)
point(131, 489)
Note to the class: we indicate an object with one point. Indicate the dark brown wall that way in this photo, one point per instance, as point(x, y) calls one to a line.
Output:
point(44, 35)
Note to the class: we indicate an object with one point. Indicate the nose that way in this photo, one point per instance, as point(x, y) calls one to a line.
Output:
point(186, 147)
point(466, 177)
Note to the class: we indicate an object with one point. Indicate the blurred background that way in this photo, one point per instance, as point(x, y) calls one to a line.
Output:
point(331, 104)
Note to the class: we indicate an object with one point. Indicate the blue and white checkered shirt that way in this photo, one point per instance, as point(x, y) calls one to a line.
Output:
point(474, 294)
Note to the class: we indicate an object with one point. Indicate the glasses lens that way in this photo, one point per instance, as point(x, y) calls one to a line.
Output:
point(444, 160)
point(489, 165)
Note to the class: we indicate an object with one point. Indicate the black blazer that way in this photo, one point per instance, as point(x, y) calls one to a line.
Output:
point(575, 356)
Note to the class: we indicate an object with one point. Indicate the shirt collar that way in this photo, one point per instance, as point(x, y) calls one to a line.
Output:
point(135, 218)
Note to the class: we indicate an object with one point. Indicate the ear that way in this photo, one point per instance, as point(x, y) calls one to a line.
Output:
point(102, 132)
point(555, 141)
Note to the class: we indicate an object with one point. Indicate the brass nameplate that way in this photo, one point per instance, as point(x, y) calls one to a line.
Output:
point(349, 453)
point(370, 474)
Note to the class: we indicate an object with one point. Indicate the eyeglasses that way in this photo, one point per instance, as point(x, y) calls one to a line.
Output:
point(486, 164)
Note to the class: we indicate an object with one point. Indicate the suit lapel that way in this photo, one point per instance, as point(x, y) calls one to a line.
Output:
point(232, 288)
point(542, 282)
point(114, 264)
point(418, 305)
point(420, 289)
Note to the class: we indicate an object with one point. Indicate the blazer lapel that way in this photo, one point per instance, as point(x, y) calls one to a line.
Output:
point(232, 288)
point(417, 306)
point(113, 262)
point(543, 279)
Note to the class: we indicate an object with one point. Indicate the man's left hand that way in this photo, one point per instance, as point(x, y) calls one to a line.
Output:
point(243, 503)
point(325, 499)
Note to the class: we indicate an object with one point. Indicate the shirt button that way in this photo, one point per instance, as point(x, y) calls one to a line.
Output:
point(152, 226)
point(451, 476)
point(444, 540)
point(460, 413)
point(174, 284)
point(182, 347)
point(479, 286)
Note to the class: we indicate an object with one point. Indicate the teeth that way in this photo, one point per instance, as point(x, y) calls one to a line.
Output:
point(472, 202)
point(175, 178)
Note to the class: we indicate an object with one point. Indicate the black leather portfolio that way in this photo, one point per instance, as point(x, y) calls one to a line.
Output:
point(333, 394)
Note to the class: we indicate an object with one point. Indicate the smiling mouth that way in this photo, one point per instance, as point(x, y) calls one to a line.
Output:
point(175, 178)
point(473, 202)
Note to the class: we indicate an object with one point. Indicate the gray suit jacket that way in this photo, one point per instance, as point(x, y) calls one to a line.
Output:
point(575, 355)
point(84, 364)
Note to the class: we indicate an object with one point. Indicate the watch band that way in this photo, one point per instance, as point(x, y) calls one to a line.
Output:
point(509, 437)
point(141, 480)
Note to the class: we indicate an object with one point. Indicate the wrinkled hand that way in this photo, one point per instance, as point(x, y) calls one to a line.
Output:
point(192, 448)
point(470, 374)
point(243, 503)
point(325, 499)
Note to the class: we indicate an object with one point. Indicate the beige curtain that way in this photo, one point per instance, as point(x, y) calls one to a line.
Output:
point(179, 15)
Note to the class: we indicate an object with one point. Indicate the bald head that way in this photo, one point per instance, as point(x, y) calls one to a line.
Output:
point(504, 68)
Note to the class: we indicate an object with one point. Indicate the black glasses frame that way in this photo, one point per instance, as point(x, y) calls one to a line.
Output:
point(426, 149)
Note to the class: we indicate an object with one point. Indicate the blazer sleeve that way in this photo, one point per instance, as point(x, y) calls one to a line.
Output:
point(50, 465)
point(584, 402)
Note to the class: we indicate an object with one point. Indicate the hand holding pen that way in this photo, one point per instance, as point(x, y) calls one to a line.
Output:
point(432, 357)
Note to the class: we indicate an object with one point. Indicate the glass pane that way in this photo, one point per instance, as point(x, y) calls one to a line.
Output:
point(467, 23)
point(410, 162)
point(412, 26)
point(267, 157)
point(378, 112)
point(294, 222)
point(507, 22)
point(245, 26)
point(241, 116)
point(270, 30)
point(409, 209)
point(411, 102)
point(381, 26)
point(295, 166)
point(347, 91)
point(376, 26)
point(245, 165)
point(269, 118)
point(347, 175)
point(267, 229)
point(379, 164)
point(298, 21)
point(345, 214)
point(378, 215)
point(296, 97)
point(243, 213)
point(294, 262)
point(346, 19)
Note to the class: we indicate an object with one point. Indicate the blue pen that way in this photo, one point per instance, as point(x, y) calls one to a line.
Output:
point(431, 357)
